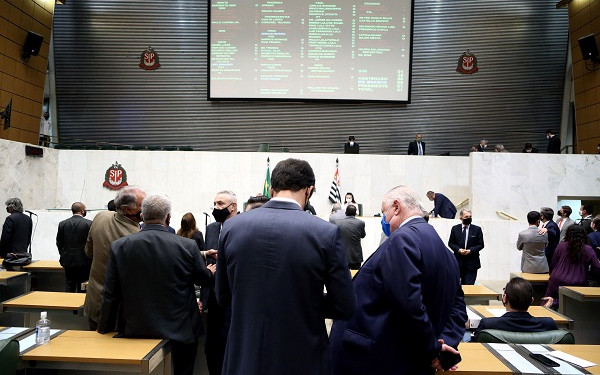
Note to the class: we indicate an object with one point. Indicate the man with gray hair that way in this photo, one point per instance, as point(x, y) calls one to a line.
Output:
point(410, 311)
point(107, 227)
point(336, 213)
point(17, 228)
point(149, 286)
point(466, 240)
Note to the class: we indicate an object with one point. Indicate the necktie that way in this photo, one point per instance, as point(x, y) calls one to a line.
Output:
point(464, 237)
point(420, 148)
point(560, 223)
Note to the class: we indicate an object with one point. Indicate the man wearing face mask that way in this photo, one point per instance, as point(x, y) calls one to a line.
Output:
point(217, 316)
point(351, 147)
point(70, 240)
point(586, 212)
point(417, 147)
point(45, 126)
point(273, 265)
point(17, 228)
point(553, 142)
point(107, 227)
point(466, 240)
point(565, 221)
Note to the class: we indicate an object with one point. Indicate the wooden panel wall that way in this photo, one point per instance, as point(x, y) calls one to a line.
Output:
point(584, 19)
point(21, 80)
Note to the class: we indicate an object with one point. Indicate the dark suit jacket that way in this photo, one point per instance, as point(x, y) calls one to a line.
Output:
point(517, 321)
point(554, 145)
point(352, 230)
point(442, 207)
point(213, 231)
point(474, 243)
point(351, 149)
point(150, 278)
point(273, 265)
point(586, 224)
point(71, 238)
point(16, 234)
point(480, 149)
point(408, 296)
point(553, 239)
point(413, 149)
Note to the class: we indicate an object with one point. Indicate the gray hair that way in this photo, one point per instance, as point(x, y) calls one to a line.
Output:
point(465, 210)
point(230, 193)
point(499, 148)
point(127, 197)
point(336, 207)
point(407, 197)
point(156, 208)
point(15, 204)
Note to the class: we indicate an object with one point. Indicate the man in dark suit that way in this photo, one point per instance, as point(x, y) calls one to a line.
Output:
point(16, 231)
point(442, 207)
point(273, 265)
point(586, 212)
point(517, 297)
point(482, 145)
point(149, 286)
point(351, 147)
point(550, 227)
point(352, 230)
point(70, 240)
point(217, 317)
point(417, 147)
point(410, 305)
point(466, 240)
point(553, 142)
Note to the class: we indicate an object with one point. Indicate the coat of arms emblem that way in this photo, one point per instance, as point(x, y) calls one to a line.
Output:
point(149, 59)
point(467, 63)
point(115, 177)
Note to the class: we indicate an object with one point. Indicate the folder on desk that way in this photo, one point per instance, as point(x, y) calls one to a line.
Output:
point(473, 319)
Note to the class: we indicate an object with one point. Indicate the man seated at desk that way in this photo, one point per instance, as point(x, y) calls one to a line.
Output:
point(517, 297)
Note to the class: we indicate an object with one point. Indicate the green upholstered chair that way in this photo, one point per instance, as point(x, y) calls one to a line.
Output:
point(170, 148)
point(185, 148)
point(558, 336)
point(263, 147)
point(9, 356)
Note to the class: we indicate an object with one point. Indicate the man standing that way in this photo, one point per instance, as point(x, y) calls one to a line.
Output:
point(410, 305)
point(351, 147)
point(549, 227)
point(553, 142)
point(417, 147)
point(565, 221)
point(533, 243)
point(352, 230)
point(273, 265)
point(336, 213)
point(586, 211)
point(149, 286)
point(466, 240)
point(17, 228)
point(482, 145)
point(217, 316)
point(107, 227)
point(70, 240)
point(442, 207)
point(45, 125)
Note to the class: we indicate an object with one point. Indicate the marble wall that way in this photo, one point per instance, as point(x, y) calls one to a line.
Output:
point(513, 183)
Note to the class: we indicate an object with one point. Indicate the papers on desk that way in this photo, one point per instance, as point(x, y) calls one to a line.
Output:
point(496, 311)
point(517, 358)
point(11, 332)
point(473, 319)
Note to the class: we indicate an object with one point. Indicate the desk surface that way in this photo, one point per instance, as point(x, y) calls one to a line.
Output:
point(479, 291)
point(581, 292)
point(5, 275)
point(476, 359)
point(537, 311)
point(43, 265)
point(48, 300)
point(90, 346)
point(532, 277)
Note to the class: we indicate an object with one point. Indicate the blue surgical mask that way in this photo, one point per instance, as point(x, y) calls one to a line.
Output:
point(385, 226)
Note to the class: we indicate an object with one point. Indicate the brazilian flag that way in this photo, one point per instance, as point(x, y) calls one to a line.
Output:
point(267, 184)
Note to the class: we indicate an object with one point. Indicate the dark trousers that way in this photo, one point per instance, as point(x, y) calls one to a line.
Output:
point(354, 266)
point(217, 328)
point(44, 140)
point(183, 357)
point(74, 277)
point(467, 277)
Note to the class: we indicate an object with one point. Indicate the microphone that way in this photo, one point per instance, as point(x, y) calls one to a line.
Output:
point(30, 213)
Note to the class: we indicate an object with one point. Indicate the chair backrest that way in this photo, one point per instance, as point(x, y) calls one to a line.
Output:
point(547, 337)
point(9, 356)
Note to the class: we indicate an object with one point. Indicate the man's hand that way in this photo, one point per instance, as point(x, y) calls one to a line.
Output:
point(212, 268)
point(212, 253)
point(436, 364)
point(464, 251)
point(548, 301)
point(542, 231)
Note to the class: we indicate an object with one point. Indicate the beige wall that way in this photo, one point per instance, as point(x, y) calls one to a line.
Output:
point(21, 80)
point(584, 19)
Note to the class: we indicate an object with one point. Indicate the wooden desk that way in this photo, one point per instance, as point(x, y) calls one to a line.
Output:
point(91, 351)
point(539, 281)
point(65, 310)
point(46, 275)
point(537, 311)
point(13, 284)
point(478, 360)
point(583, 305)
point(480, 294)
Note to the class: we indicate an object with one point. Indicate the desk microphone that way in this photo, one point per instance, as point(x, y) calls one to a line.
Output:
point(30, 213)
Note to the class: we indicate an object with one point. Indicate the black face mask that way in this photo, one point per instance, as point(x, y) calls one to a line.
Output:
point(467, 221)
point(84, 213)
point(220, 215)
point(138, 215)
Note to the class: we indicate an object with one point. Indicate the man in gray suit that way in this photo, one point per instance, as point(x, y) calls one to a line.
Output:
point(352, 230)
point(532, 243)
point(565, 221)
point(336, 213)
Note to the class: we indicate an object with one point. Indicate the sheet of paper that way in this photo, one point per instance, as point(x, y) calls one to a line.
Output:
point(571, 358)
point(497, 312)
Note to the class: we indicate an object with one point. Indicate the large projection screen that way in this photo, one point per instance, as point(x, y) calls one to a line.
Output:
point(310, 50)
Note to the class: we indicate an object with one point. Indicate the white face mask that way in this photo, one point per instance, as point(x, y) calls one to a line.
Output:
point(351, 143)
point(348, 200)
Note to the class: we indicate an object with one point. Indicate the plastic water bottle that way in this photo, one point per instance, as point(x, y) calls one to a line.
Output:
point(42, 329)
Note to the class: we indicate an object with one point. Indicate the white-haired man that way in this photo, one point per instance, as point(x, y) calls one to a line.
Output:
point(16, 231)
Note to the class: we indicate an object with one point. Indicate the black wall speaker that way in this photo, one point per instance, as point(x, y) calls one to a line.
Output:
point(32, 45)
point(34, 151)
point(589, 49)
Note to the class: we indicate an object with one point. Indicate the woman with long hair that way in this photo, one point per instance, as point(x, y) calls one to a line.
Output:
point(570, 264)
point(189, 230)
